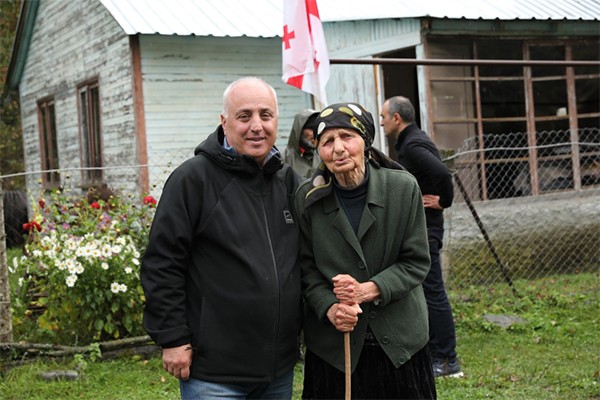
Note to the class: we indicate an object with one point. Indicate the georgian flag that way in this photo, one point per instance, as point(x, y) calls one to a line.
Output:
point(304, 51)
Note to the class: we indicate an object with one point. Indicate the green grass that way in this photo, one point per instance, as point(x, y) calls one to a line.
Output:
point(555, 355)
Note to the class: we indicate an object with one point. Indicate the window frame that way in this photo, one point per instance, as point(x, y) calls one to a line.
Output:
point(90, 133)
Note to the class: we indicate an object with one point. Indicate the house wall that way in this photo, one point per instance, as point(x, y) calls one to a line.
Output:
point(365, 39)
point(73, 42)
point(184, 78)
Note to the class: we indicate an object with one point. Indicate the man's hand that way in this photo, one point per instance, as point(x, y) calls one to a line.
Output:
point(343, 316)
point(432, 201)
point(178, 360)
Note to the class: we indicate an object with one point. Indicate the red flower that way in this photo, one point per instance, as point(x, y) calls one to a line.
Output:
point(42, 203)
point(149, 200)
point(31, 225)
point(95, 205)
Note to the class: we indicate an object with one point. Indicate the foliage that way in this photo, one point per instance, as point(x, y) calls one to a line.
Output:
point(78, 278)
point(11, 142)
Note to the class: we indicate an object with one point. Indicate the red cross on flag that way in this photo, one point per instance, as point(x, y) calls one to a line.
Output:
point(304, 52)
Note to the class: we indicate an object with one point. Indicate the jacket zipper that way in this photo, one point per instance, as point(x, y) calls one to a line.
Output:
point(262, 181)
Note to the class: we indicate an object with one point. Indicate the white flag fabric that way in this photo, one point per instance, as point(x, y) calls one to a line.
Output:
point(304, 51)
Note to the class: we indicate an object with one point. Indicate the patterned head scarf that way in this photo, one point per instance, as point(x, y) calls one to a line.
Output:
point(347, 115)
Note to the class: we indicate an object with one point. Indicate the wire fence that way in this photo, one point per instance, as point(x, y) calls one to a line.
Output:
point(519, 211)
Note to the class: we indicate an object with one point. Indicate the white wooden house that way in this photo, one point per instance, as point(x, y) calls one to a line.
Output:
point(105, 84)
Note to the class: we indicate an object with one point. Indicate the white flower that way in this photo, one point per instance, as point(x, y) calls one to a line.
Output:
point(15, 263)
point(114, 287)
point(136, 261)
point(128, 270)
point(123, 287)
point(104, 265)
point(61, 265)
point(79, 269)
point(106, 250)
point(116, 249)
point(96, 253)
point(21, 280)
point(71, 279)
point(121, 240)
point(37, 253)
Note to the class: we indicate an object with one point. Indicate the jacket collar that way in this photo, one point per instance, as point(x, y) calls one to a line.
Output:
point(404, 134)
point(213, 148)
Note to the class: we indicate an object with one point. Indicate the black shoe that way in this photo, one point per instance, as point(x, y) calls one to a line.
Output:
point(445, 367)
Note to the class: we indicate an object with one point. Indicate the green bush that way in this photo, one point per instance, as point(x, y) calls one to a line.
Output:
point(78, 278)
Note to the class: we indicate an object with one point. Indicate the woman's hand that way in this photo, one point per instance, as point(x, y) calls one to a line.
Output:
point(349, 291)
point(343, 316)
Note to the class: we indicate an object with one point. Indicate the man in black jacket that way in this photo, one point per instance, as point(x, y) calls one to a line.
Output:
point(419, 155)
point(220, 277)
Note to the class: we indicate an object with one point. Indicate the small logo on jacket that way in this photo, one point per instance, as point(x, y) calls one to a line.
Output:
point(288, 217)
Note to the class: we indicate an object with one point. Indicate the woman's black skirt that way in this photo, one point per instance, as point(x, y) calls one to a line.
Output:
point(375, 377)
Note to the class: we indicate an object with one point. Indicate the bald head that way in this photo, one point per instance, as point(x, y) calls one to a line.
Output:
point(245, 81)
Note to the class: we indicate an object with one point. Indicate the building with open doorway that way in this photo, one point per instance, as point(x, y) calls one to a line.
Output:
point(521, 130)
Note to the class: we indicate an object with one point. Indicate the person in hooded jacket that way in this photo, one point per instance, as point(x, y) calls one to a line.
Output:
point(219, 274)
point(300, 152)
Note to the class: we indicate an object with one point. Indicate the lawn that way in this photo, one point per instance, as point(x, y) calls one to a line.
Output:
point(554, 355)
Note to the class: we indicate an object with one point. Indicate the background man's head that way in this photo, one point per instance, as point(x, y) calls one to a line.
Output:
point(249, 117)
point(396, 113)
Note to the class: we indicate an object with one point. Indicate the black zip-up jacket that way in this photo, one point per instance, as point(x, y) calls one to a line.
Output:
point(220, 268)
point(419, 155)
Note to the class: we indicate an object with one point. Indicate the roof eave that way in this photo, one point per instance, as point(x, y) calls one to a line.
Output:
point(21, 44)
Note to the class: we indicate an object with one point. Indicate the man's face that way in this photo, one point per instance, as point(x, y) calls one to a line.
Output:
point(308, 137)
point(388, 122)
point(251, 121)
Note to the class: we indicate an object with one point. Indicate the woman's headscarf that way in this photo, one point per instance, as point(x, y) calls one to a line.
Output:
point(356, 117)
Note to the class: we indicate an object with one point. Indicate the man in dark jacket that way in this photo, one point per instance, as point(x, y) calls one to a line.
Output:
point(220, 277)
point(419, 155)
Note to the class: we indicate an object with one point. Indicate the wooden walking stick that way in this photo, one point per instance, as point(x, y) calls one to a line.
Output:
point(348, 364)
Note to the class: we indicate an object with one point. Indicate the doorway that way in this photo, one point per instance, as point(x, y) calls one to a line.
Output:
point(401, 80)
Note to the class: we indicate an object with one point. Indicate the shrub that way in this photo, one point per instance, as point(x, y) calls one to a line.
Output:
point(79, 273)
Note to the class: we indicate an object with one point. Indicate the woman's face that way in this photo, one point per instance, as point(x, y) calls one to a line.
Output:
point(342, 150)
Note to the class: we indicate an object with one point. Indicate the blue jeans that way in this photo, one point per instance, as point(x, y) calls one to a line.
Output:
point(279, 388)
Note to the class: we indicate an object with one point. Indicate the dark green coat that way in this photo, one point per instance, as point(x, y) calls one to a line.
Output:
point(390, 249)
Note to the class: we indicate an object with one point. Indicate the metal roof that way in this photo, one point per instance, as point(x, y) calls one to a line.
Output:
point(264, 18)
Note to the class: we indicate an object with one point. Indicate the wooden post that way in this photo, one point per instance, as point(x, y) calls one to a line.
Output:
point(5, 314)
point(348, 365)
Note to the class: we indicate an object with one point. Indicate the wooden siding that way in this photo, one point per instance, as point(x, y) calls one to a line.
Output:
point(184, 78)
point(365, 39)
point(355, 39)
point(73, 42)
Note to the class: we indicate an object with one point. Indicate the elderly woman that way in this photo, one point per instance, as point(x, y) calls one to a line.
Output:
point(363, 257)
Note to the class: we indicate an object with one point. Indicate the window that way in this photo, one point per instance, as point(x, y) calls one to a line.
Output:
point(48, 147)
point(91, 135)
point(536, 126)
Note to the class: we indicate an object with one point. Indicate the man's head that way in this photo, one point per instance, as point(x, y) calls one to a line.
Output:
point(307, 138)
point(396, 114)
point(249, 117)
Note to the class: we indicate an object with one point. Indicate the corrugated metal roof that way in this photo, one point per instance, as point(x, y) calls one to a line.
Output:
point(198, 17)
point(332, 10)
point(264, 17)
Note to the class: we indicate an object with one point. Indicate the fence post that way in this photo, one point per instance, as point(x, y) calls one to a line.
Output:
point(5, 314)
